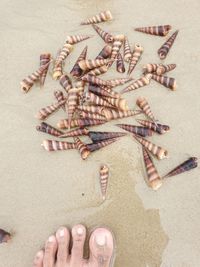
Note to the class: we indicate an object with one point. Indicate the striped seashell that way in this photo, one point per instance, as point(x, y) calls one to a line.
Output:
point(165, 68)
point(100, 91)
point(4, 236)
point(64, 53)
point(63, 124)
point(82, 148)
point(101, 136)
point(165, 81)
point(120, 64)
point(164, 50)
point(107, 37)
point(101, 17)
point(87, 115)
point(29, 81)
point(53, 145)
point(57, 70)
point(144, 105)
point(98, 145)
point(187, 165)
point(150, 68)
point(60, 97)
point(117, 44)
point(91, 109)
point(161, 30)
point(104, 174)
point(111, 92)
point(105, 53)
point(139, 130)
point(157, 151)
point(74, 39)
point(89, 64)
point(65, 82)
point(145, 80)
point(47, 128)
point(76, 70)
point(80, 86)
point(95, 80)
point(44, 59)
point(156, 127)
point(117, 82)
point(138, 50)
point(119, 103)
point(96, 100)
point(76, 132)
point(112, 114)
point(127, 50)
point(98, 71)
point(72, 103)
point(43, 113)
point(153, 176)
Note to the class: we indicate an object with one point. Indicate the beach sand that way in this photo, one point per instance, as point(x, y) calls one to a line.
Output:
point(41, 191)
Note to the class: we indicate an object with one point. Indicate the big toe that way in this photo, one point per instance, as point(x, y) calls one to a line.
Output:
point(38, 261)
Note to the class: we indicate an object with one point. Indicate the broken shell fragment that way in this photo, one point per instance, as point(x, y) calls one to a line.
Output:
point(4, 236)
point(107, 37)
point(168, 82)
point(145, 80)
point(104, 174)
point(53, 145)
point(101, 17)
point(161, 30)
point(164, 50)
point(84, 151)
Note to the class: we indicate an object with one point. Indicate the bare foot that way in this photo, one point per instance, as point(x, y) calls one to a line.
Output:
point(56, 252)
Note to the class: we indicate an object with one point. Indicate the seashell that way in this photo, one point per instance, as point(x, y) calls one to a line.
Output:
point(96, 100)
point(59, 97)
point(120, 81)
point(98, 145)
point(80, 86)
point(138, 50)
point(164, 50)
point(95, 80)
point(53, 145)
point(89, 64)
point(119, 103)
point(117, 44)
point(101, 17)
point(111, 92)
point(91, 109)
point(156, 127)
point(72, 103)
point(74, 39)
point(105, 53)
point(47, 128)
point(29, 81)
point(76, 70)
point(100, 91)
point(150, 67)
point(144, 105)
point(63, 124)
point(161, 30)
point(187, 165)
point(47, 111)
point(139, 130)
point(101, 136)
point(64, 53)
point(104, 174)
point(4, 236)
point(144, 80)
point(153, 176)
point(44, 59)
point(76, 132)
point(84, 151)
point(120, 64)
point(107, 37)
point(57, 70)
point(98, 71)
point(127, 50)
point(157, 151)
point(165, 68)
point(65, 82)
point(112, 114)
point(165, 81)
point(87, 115)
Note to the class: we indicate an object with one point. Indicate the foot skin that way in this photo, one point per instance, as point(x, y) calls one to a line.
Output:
point(56, 251)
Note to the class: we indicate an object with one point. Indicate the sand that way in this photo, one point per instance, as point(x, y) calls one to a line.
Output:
point(41, 191)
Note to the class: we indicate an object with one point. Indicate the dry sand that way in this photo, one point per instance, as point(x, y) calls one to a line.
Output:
point(41, 191)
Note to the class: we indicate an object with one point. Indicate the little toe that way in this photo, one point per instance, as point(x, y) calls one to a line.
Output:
point(63, 238)
point(78, 235)
point(38, 261)
point(50, 252)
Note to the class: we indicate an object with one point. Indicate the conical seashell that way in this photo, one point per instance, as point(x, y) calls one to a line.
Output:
point(53, 145)
point(119, 103)
point(91, 109)
point(145, 80)
point(101, 17)
point(44, 59)
point(104, 174)
point(105, 53)
point(101, 136)
point(117, 44)
point(65, 82)
point(72, 103)
point(87, 115)
point(89, 64)
point(138, 50)
point(47, 128)
point(59, 97)
point(95, 80)
point(65, 51)
point(4, 236)
point(120, 64)
point(157, 151)
point(163, 51)
point(80, 86)
point(98, 145)
point(63, 124)
point(76, 70)
point(144, 105)
point(112, 114)
point(98, 71)
point(139, 130)
point(74, 39)
point(92, 98)
point(153, 176)
point(57, 70)
point(107, 37)
point(84, 151)
point(187, 165)
point(76, 132)
point(116, 82)
point(156, 127)
point(111, 92)
point(150, 68)
point(100, 91)
point(165, 68)
point(161, 30)
point(47, 111)
point(165, 81)
point(127, 50)
point(29, 81)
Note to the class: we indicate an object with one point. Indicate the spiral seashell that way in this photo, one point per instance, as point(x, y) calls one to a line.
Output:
point(164, 50)
point(89, 64)
point(139, 130)
point(76, 132)
point(87, 115)
point(120, 64)
point(117, 44)
point(60, 97)
point(44, 59)
point(111, 92)
point(150, 68)
point(64, 53)
point(80, 86)
point(98, 71)
point(153, 176)
point(156, 127)
point(138, 50)
point(165, 81)
point(127, 50)
point(98, 145)
point(95, 80)
point(165, 68)
point(91, 109)
point(4, 236)
point(119, 103)
point(84, 151)
point(76, 70)
point(53, 145)
point(47, 128)
point(47, 111)
point(65, 82)
point(107, 37)
point(101, 136)
point(74, 39)
point(100, 91)
point(105, 53)
point(57, 70)
point(63, 124)
point(96, 100)
point(101, 17)
point(104, 174)
point(145, 80)
point(144, 105)
point(112, 114)
point(72, 103)
point(161, 30)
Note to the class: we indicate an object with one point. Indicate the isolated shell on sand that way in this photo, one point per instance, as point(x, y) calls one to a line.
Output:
point(141, 82)
point(161, 30)
point(164, 50)
point(44, 59)
point(98, 145)
point(101, 136)
point(76, 70)
point(107, 37)
point(63, 124)
point(139, 130)
point(156, 127)
point(144, 105)
point(104, 174)
point(43, 113)
point(138, 50)
point(166, 81)
point(74, 39)
point(47, 128)
point(82, 148)
point(53, 145)
point(4, 236)
point(76, 132)
point(101, 17)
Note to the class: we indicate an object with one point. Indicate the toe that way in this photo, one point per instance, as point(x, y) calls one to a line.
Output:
point(78, 235)
point(101, 247)
point(38, 261)
point(63, 237)
point(50, 252)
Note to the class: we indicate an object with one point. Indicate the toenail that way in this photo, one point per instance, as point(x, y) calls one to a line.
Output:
point(62, 233)
point(79, 231)
point(100, 240)
point(51, 239)
point(39, 254)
